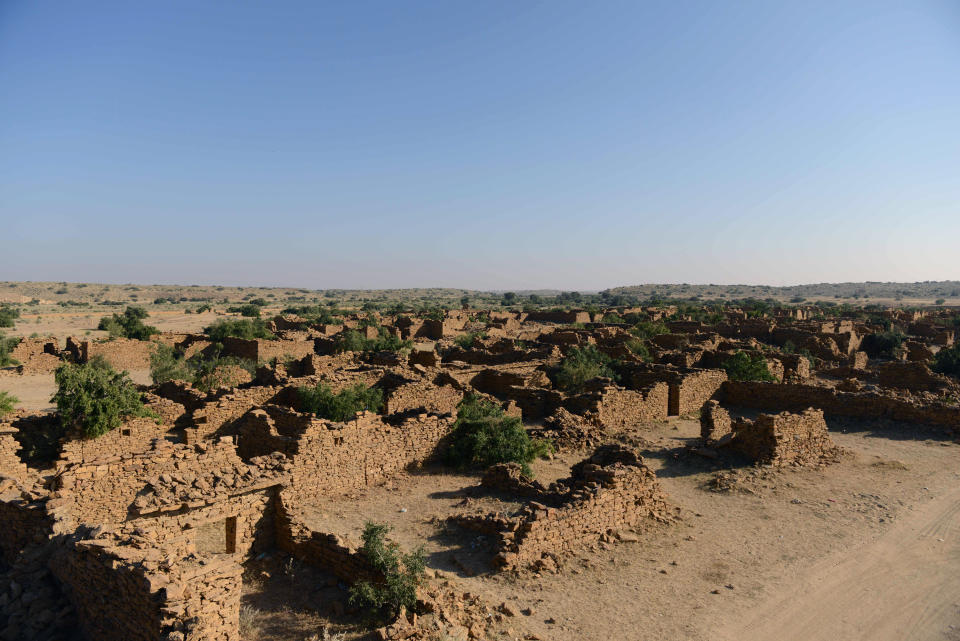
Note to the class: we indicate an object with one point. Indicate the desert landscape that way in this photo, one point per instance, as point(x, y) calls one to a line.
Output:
point(479, 321)
point(259, 464)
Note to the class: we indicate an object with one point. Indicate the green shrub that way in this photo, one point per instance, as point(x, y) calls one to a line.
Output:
point(947, 361)
point(238, 328)
point(639, 347)
point(647, 329)
point(166, 364)
point(8, 314)
point(129, 324)
point(95, 398)
point(401, 574)
point(887, 344)
point(321, 400)
point(214, 371)
point(612, 317)
point(351, 340)
point(250, 310)
point(470, 339)
point(748, 367)
point(582, 364)
point(8, 403)
point(483, 435)
point(6, 347)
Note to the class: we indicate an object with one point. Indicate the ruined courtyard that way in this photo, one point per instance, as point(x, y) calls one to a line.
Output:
point(703, 476)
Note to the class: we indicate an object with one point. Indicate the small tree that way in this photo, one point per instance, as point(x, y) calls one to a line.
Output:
point(7, 403)
point(321, 400)
point(748, 367)
point(887, 344)
point(470, 339)
point(639, 347)
point(6, 347)
point(647, 329)
point(947, 361)
point(401, 574)
point(8, 315)
point(238, 328)
point(166, 364)
point(129, 324)
point(483, 435)
point(940, 301)
point(94, 398)
point(583, 364)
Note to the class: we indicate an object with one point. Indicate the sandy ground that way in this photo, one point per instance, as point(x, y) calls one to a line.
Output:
point(34, 390)
point(865, 549)
point(83, 324)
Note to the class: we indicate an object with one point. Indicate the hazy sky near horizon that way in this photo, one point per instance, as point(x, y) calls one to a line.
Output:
point(489, 145)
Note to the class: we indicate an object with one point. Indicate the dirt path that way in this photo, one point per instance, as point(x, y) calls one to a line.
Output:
point(904, 586)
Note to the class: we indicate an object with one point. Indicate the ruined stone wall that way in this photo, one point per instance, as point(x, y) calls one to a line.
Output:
point(121, 353)
point(283, 350)
point(785, 439)
point(124, 593)
point(613, 490)
point(37, 355)
point(715, 422)
point(616, 407)
point(181, 392)
point(24, 522)
point(797, 397)
point(166, 478)
point(912, 376)
point(335, 457)
point(169, 411)
point(10, 464)
point(693, 389)
point(422, 396)
point(319, 549)
point(114, 599)
point(133, 436)
point(565, 317)
point(215, 417)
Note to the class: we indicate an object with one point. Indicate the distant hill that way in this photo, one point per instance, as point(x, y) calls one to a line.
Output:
point(927, 292)
point(922, 292)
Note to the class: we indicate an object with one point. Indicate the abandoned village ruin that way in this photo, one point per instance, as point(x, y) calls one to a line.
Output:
point(144, 532)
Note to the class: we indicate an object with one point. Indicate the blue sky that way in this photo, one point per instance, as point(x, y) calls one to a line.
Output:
point(492, 145)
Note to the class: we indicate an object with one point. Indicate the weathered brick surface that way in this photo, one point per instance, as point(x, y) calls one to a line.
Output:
point(785, 439)
point(610, 491)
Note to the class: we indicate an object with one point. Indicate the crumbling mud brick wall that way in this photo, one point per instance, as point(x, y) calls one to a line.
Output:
point(913, 376)
point(616, 407)
point(169, 478)
point(10, 464)
point(797, 397)
point(134, 436)
point(216, 417)
point(565, 317)
point(422, 396)
point(319, 549)
point(113, 598)
point(24, 520)
point(169, 411)
point(335, 457)
point(689, 387)
point(158, 591)
point(715, 422)
point(785, 439)
point(609, 491)
point(37, 355)
point(121, 353)
point(181, 392)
